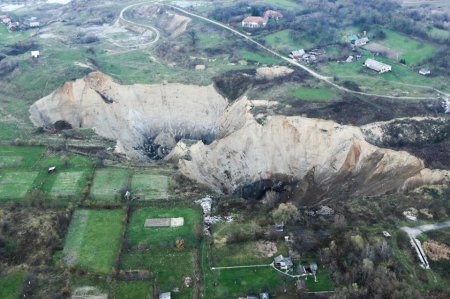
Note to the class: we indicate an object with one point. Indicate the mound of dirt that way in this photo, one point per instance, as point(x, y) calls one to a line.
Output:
point(144, 119)
point(336, 160)
point(270, 73)
point(436, 251)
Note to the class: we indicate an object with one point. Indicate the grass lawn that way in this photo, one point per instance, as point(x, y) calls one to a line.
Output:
point(15, 185)
point(281, 40)
point(413, 51)
point(259, 57)
point(93, 240)
point(138, 234)
point(149, 185)
point(169, 267)
point(314, 94)
point(323, 282)
point(7, 38)
point(11, 285)
point(132, 290)
point(19, 156)
point(108, 183)
point(232, 283)
point(243, 254)
point(286, 4)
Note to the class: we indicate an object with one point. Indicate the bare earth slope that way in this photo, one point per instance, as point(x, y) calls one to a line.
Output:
point(335, 158)
point(133, 114)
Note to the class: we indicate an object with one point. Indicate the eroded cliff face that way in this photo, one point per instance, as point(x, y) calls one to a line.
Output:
point(229, 151)
point(315, 155)
point(142, 118)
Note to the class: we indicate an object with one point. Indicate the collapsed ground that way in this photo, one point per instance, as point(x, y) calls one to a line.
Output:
point(74, 217)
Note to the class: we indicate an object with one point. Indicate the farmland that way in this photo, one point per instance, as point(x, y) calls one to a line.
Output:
point(150, 185)
point(93, 240)
point(109, 183)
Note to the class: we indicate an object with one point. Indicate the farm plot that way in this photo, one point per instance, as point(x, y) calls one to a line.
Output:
point(132, 290)
point(108, 183)
point(169, 267)
point(19, 156)
point(14, 185)
point(67, 184)
point(164, 236)
point(149, 186)
point(11, 284)
point(93, 240)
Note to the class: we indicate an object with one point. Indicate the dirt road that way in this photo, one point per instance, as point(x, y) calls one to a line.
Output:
point(415, 231)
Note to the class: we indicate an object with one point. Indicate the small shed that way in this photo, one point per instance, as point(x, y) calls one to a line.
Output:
point(164, 295)
point(34, 24)
point(386, 234)
point(301, 270)
point(264, 296)
point(424, 72)
point(35, 54)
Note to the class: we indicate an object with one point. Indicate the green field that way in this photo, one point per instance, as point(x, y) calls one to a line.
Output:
point(67, 184)
point(412, 50)
point(314, 94)
point(232, 283)
point(19, 156)
point(15, 185)
point(259, 57)
point(281, 41)
point(149, 185)
point(286, 4)
point(132, 290)
point(7, 38)
point(108, 183)
point(93, 240)
point(243, 254)
point(11, 285)
point(166, 236)
point(168, 266)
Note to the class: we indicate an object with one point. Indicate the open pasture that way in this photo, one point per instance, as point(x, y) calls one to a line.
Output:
point(19, 156)
point(15, 184)
point(108, 184)
point(67, 184)
point(148, 185)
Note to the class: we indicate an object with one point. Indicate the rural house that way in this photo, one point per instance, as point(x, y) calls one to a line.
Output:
point(254, 22)
point(34, 24)
point(165, 295)
point(284, 263)
point(377, 66)
point(424, 72)
point(361, 41)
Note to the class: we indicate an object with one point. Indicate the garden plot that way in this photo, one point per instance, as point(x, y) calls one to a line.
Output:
point(108, 183)
point(93, 239)
point(149, 186)
point(138, 234)
point(169, 267)
point(14, 185)
point(66, 184)
point(19, 156)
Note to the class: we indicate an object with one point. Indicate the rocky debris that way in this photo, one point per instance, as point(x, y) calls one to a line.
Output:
point(446, 105)
point(313, 155)
point(411, 214)
point(436, 251)
point(208, 219)
point(408, 131)
point(270, 73)
point(144, 119)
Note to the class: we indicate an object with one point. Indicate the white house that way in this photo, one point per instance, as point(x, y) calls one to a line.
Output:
point(254, 22)
point(35, 54)
point(424, 72)
point(377, 66)
point(34, 24)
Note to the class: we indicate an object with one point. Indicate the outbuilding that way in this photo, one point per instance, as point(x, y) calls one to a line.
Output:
point(377, 66)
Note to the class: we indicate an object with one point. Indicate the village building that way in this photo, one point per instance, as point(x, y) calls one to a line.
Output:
point(6, 20)
point(35, 24)
point(377, 66)
point(13, 26)
point(284, 263)
point(254, 22)
point(35, 54)
point(352, 38)
point(424, 72)
point(298, 54)
point(264, 296)
point(361, 41)
point(164, 295)
point(272, 14)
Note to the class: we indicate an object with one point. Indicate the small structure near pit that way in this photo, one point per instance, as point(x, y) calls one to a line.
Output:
point(166, 295)
point(164, 222)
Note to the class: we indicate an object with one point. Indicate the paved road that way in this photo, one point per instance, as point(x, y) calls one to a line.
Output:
point(148, 27)
point(313, 73)
point(413, 232)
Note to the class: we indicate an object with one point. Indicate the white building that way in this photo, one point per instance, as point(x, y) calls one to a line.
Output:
point(35, 54)
point(377, 66)
point(254, 22)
